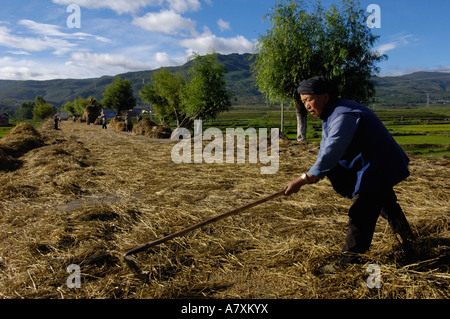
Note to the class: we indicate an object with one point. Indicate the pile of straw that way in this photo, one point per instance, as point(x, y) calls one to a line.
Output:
point(81, 119)
point(18, 141)
point(118, 124)
point(92, 111)
point(150, 129)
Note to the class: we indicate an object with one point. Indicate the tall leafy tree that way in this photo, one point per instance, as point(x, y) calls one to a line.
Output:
point(25, 111)
point(205, 94)
point(164, 93)
point(349, 58)
point(78, 106)
point(305, 41)
point(42, 109)
point(119, 95)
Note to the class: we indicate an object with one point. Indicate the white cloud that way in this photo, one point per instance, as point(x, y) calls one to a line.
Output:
point(398, 40)
point(132, 6)
point(12, 69)
point(396, 71)
point(107, 62)
point(119, 6)
point(112, 64)
point(81, 65)
point(168, 22)
point(33, 44)
point(49, 37)
point(223, 25)
point(27, 69)
point(442, 68)
point(184, 5)
point(19, 52)
point(163, 59)
point(54, 31)
point(207, 41)
point(15, 73)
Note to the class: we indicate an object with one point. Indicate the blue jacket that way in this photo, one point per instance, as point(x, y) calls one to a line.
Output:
point(357, 152)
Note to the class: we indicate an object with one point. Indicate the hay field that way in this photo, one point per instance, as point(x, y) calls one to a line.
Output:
point(88, 195)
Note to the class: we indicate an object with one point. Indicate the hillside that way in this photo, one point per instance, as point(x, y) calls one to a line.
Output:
point(404, 91)
point(59, 92)
point(412, 89)
point(87, 195)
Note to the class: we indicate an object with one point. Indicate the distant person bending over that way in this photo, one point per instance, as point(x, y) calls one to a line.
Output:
point(362, 161)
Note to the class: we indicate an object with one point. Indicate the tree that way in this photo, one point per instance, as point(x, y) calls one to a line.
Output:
point(42, 109)
point(69, 107)
point(78, 106)
point(349, 58)
point(25, 111)
point(205, 95)
point(304, 42)
point(202, 96)
point(119, 95)
point(164, 93)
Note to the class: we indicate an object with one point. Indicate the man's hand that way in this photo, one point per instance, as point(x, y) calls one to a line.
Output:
point(294, 186)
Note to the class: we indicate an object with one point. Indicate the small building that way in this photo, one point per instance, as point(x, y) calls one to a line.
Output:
point(4, 119)
point(64, 115)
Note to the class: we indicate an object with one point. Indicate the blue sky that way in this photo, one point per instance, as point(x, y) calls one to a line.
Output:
point(116, 36)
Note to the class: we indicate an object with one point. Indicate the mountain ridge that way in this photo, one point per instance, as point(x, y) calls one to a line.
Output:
point(408, 90)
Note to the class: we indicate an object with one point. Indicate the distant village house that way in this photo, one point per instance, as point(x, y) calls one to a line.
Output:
point(4, 119)
point(64, 115)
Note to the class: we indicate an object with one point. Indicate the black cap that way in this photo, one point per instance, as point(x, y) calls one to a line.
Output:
point(317, 85)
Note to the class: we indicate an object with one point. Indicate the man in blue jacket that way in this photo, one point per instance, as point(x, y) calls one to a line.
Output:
point(362, 161)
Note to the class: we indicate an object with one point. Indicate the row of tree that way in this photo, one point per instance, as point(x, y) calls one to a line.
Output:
point(182, 99)
point(202, 94)
point(37, 109)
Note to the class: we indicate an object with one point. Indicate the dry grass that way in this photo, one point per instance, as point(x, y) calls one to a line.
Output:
point(118, 124)
point(88, 195)
point(18, 141)
point(150, 129)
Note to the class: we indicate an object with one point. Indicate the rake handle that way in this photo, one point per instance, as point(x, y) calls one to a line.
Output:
point(204, 223)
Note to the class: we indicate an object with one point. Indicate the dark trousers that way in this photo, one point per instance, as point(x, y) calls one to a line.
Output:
point(363, 216)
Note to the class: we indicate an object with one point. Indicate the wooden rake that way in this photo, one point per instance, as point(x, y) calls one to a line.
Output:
point(130, 262)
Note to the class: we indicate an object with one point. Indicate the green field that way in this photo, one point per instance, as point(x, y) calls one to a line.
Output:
point(4, 130)
point(424, 131)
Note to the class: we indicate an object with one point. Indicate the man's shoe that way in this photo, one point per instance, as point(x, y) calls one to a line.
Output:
point(350, 258)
